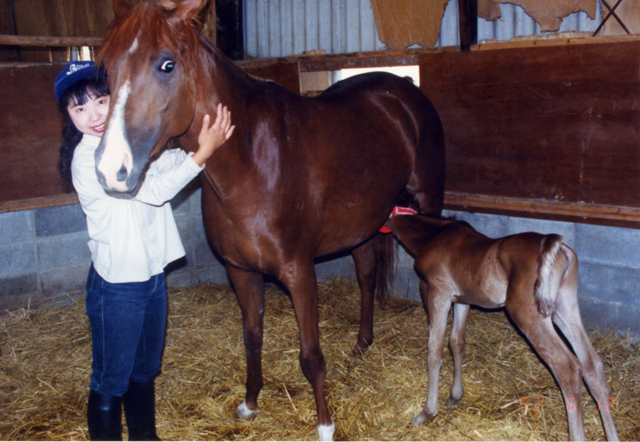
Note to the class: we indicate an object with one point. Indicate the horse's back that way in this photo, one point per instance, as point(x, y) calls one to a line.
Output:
point(375, 87)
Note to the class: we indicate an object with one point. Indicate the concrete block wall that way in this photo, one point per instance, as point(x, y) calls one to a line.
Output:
point(44, 259)
point(609, 267)
point(44, 256)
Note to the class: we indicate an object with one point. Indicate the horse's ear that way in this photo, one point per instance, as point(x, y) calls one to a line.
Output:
point(121, 7)
point(188, 9)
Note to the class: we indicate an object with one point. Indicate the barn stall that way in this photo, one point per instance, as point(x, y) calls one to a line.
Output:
point(541, 135)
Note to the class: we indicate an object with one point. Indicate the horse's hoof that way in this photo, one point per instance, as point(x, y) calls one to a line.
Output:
point(452, 402)
point(361, 348)
point(326, 432)
point(422, 418)
point(359, 352)
point(245, 413)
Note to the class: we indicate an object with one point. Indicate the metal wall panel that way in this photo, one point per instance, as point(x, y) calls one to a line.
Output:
point(277, 28)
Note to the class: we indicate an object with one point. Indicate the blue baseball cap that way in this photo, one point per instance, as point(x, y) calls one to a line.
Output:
point(73, 72)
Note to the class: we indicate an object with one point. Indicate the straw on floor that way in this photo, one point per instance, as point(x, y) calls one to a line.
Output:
point(509, 393)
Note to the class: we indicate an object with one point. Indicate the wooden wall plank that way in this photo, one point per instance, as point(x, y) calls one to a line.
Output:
point(70, 18)
point(30, 130)
point(558, 124)
point(7, 26)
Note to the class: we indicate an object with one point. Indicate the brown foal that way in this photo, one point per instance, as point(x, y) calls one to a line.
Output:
point(533, 276)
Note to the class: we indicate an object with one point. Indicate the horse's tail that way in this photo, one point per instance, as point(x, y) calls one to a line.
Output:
point(383, 247)
point(545, 289)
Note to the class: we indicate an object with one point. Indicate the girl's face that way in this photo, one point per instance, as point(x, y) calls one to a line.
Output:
point(89, 118)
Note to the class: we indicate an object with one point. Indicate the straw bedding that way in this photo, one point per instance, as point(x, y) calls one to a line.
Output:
point(509, 393)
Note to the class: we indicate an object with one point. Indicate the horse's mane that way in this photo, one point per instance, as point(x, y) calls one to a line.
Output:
point(156, 22)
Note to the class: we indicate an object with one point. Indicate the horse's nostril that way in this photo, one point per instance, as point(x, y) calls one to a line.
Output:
point(122, 174)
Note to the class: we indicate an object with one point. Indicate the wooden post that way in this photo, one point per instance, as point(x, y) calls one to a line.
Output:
point(230, 36)
point(468, 17)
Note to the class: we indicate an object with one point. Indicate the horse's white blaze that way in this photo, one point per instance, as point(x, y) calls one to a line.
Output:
point(326, 432)
point(117, 152)
point(134, 46)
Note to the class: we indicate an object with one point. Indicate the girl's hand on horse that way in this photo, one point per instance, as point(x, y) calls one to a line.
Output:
point(214, 136)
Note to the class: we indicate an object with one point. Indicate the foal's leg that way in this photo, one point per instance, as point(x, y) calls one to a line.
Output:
point(567, 318)
point(300, 280)
point(249, 288)
point(366, 266)
point(438, 305)
point(564, 365)
point(457, 344)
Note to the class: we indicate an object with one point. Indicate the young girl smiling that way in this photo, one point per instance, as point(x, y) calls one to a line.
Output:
point(131, 241)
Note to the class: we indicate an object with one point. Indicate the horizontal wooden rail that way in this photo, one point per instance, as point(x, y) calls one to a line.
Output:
point(37, 203)
point(17, 40)
point(544, 209)
point(528, 208)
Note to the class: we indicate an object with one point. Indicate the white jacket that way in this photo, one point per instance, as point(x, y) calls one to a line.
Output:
point(132, 240)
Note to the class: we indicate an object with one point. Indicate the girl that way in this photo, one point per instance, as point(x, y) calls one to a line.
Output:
point(131, 241)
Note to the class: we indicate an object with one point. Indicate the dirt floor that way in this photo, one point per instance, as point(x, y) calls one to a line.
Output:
point(509, 393)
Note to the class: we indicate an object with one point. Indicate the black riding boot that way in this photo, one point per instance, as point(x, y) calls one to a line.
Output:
point(104, 416)
point(140, 411)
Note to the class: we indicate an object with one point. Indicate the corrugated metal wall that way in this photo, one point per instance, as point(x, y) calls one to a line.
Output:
point(277, 28)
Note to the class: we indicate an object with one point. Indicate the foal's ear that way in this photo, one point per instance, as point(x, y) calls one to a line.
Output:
point(121, 7)
point(189, 8)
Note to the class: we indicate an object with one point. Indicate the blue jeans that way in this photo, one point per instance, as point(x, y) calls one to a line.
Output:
point(128, 323)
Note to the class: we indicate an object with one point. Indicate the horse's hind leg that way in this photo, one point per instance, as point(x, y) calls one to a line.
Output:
point(300, 280)
point(249, 288)
point(567, 318)
point(372, 260)
point(564, 365)
point(456, 345)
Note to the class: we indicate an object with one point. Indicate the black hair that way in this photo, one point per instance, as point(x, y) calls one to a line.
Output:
point(79, 93)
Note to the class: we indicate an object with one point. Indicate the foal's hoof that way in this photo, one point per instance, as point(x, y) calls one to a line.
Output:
point(422, 418)
point(245, 413)
point(452, 402)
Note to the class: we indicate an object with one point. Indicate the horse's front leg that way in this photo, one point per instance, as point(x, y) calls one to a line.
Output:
point(438, 305)
point(249, 288)
point(300, 280)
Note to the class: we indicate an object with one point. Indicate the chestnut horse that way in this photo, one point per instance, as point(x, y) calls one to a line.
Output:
point(300, 178)
point(534, 276)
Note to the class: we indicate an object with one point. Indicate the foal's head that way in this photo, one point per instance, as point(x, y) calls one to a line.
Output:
point(151, 61)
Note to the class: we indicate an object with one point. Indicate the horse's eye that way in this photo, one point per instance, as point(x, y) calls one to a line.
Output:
point(167, 66)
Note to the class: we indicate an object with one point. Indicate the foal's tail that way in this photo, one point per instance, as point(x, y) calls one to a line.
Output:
point(546, 285)
point(383, 247)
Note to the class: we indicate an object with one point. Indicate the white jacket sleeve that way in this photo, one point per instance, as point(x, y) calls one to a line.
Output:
point(167, 176)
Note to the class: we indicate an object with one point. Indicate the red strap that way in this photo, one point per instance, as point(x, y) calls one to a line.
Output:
point(397, 210)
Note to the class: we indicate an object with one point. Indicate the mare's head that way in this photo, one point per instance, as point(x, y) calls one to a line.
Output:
point(150, 57)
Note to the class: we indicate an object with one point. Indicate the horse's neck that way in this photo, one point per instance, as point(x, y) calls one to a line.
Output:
point(431, 226)
point(229, 84)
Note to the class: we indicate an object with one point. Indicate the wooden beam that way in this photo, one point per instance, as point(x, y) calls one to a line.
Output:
point(620, 216)
point(18, 40)
point(37, 203)
point(468, 19)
